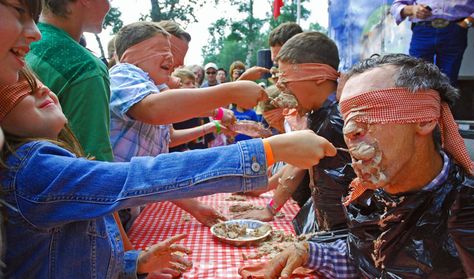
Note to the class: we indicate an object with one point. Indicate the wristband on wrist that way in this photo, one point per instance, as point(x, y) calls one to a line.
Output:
point(468, 22)
point(273, 208)
point(268, 152)
point(219, 114)
point(218, 127)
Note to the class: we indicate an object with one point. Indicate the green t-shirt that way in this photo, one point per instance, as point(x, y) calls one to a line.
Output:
point(82, 84)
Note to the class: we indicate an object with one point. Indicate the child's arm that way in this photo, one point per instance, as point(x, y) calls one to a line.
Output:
point(80, 189)
point(289, 177)
point(203, 213)
point(178, 137)
point(177, 105)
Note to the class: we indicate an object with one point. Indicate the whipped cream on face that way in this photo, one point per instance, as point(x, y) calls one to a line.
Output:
point(366, 155)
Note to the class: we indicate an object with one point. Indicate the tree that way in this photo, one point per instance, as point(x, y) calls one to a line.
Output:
point(112, 19)
point(232, 40)
point(174, 10)
point(317, 27)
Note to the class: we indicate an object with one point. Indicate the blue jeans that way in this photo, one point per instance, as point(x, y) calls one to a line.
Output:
point(441, 46)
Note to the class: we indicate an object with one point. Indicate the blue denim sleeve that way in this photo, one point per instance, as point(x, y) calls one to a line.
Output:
point(331, 260)
point(131, 262)
point(53, 187)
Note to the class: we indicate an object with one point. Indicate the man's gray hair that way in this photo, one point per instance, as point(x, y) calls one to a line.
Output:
point(413, 73)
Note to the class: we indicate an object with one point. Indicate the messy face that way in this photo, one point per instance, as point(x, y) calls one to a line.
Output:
point(381, 153)
point(17, 31)
point(299, 89)
point(38, 114)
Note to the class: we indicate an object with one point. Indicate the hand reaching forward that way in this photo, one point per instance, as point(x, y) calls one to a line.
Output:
point(283, 265)
point(163, 255)
point(207, 215)
point(165, 273)
point(256, 214)
point(302, 149)
point(254, 73)
point(245, 93)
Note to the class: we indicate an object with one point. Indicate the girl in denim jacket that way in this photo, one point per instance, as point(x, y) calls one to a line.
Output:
point(65, 202)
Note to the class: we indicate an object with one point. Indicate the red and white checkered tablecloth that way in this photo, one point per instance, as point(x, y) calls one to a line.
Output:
point(211, 258)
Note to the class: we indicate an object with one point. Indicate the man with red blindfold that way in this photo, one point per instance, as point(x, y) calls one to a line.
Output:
point(411, 209)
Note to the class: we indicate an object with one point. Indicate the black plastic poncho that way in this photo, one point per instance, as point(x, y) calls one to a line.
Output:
point(426, 234)
point(332, 176)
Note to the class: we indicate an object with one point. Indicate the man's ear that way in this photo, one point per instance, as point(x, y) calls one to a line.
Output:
point(425, 128)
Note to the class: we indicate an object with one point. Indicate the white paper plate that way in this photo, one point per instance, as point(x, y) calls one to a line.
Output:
point(247, 239)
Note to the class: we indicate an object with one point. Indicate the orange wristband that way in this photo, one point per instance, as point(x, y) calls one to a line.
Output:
point(268, 152)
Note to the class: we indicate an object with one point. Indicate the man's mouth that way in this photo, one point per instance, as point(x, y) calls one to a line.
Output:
point(366, 162)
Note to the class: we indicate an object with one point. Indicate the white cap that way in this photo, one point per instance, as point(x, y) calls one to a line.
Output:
point(210, 65)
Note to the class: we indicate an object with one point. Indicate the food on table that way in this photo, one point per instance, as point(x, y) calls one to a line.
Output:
point(236, 198)
point(238, 208)
point(240, 231)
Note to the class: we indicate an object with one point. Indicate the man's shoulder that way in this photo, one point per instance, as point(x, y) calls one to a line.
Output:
point(61, 54)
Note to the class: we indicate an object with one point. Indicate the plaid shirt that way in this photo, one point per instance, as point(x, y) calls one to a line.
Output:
point(332, 259)
point(129, 137)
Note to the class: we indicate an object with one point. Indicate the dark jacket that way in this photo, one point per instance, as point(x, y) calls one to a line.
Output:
point(426, 234)
point(332, 175)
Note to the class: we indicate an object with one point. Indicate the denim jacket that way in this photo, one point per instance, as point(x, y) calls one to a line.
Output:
point(64, 226)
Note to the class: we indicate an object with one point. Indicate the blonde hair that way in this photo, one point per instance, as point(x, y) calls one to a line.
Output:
point(183, 73)
point(235, 65)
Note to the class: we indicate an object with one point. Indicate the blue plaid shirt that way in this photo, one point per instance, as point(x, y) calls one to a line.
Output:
point(332, 259)
point(129, 137)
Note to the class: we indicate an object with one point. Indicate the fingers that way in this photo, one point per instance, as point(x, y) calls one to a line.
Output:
point(177, 259)
point(263, 96)
point(274, 267)
point(172, 272)
point(174, 239)
point(329, 149)
point(291, 265)
point(180, 248)
point(221, 217)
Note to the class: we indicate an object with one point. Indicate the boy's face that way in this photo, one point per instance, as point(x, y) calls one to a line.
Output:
point(188, 83)
point(304, 91)
point(96, 12)
point(159, 66)
point(274, 51)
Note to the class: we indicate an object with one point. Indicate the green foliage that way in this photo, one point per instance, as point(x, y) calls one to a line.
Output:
point(232, 40)
point(182, 13)
point(288, 13)
point(113, 19)
point(317, 27)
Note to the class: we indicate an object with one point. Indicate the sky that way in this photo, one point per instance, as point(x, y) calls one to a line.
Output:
point(133, 9)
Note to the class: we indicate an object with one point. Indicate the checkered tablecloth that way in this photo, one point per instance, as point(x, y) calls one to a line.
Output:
point(211, 258)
